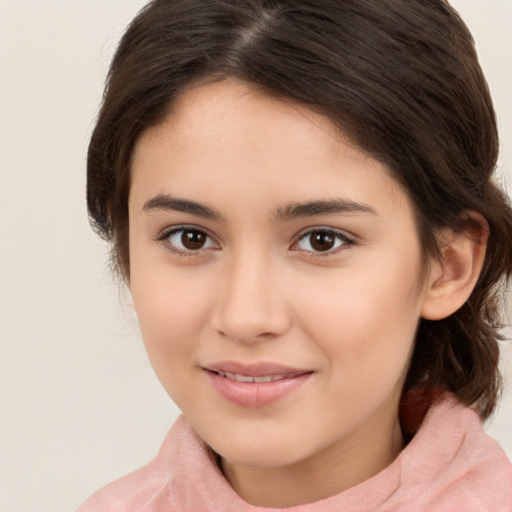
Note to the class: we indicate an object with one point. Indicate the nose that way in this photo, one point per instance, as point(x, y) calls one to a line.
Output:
point(251, 306)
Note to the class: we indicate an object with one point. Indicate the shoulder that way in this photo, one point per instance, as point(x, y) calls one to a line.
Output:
point(184, 476)
point(453, 464)
point(145, 489)
point(131, 492)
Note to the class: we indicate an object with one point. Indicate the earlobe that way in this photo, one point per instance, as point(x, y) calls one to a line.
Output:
point(454, 276)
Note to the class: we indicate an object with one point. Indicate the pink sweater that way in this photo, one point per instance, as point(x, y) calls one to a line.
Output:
point(451, 465)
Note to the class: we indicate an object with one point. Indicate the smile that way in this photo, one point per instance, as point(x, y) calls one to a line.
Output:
point(248, 378)
point(255, 385)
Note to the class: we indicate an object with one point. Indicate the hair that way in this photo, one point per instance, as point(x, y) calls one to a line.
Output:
point(401, 78)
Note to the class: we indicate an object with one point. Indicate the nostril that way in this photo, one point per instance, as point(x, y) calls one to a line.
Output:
point(248, 336)
point(250, 313)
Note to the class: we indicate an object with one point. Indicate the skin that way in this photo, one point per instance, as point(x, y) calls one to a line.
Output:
point(257, 290)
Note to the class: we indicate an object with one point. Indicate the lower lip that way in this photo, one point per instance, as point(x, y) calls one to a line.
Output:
point(256, 394)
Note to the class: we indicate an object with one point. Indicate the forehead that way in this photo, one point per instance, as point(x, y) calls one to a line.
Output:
point(207, 114)
point(228, 136)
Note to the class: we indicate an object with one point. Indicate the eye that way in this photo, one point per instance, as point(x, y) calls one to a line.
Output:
point(188, 239)
point(322, 241)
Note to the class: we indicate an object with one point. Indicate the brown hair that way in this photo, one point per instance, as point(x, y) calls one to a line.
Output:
point(400, 77)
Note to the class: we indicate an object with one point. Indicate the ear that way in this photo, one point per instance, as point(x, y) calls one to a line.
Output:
point(454, 276)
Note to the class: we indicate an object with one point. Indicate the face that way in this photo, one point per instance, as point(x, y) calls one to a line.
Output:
point(276, 273)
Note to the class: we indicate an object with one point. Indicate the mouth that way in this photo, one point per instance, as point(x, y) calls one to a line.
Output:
point(259, 380)
point(255, 385)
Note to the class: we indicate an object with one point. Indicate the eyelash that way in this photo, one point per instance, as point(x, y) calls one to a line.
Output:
point(165, 235)
point(347, 242)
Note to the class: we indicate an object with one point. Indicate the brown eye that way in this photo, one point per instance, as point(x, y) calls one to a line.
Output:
point(193, 240)
point(322, 240)
point(186, 240)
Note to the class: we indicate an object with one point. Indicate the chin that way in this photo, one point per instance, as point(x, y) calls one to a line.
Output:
point(260, 457)
point(259, 451)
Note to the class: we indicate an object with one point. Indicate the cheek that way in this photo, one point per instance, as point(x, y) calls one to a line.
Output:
point(171, 314)
point(365, 321)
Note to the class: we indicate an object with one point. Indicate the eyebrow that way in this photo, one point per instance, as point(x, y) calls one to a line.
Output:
point(323, 207)
point(168, 202)
point(286, 212)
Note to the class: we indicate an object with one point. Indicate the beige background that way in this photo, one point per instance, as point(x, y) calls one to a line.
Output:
point(78, 401)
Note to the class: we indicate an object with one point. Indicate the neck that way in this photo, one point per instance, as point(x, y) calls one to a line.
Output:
point(332, 471)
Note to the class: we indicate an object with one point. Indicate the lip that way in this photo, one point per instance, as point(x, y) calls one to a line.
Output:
point(283, 381)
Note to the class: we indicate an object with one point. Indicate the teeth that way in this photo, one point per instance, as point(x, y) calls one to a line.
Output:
point(268, 378)
point(247, 378)
point(240, 378)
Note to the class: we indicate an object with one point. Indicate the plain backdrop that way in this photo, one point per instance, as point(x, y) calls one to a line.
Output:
point(79, 403)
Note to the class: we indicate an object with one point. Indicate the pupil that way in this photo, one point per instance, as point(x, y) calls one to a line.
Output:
point(193, 240)
point(322, 241)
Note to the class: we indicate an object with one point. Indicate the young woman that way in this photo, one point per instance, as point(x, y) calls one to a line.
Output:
point(299, 197)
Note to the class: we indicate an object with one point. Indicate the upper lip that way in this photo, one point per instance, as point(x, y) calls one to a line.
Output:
point(259, 369)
